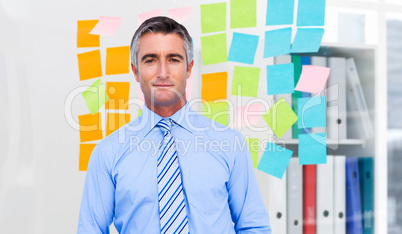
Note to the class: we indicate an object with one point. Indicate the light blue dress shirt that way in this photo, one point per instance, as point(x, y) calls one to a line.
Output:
point(221, 191)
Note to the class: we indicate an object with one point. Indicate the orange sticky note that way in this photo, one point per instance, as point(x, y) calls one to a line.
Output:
point(118, 93)
point(214, 86)
point(117, 60)
point(116, 121)
point(84, 39)
point(89, 65)
point(85, 153)
point(90, 127)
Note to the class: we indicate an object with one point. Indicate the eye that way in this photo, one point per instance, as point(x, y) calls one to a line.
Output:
point(174, 60)
point(149, 60)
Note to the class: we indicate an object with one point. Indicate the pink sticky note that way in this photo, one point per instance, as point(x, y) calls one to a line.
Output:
point(189, 86)
point(248, 115)
point(180, 14)
point(149, 14)
point(312, 79)
point(106, 26)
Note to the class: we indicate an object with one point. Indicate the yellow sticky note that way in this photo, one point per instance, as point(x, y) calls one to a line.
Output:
point(254, 147)
point(85, 153)
point(90, 127)
point(217, 111)
point(89, 65)
point(117, 60)
point(280, 117)
point(116, 121)
point(118, 93)
point(84, 39)
point(95, 96)
point(214, 86)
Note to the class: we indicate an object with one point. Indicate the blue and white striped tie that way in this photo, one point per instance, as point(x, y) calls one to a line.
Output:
point(172, 207)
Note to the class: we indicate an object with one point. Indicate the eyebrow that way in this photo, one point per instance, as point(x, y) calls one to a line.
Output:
point(156, 56)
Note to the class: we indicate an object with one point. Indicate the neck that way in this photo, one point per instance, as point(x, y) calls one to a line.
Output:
point(166, 110)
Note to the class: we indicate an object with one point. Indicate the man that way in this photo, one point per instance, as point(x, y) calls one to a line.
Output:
point(175, 171)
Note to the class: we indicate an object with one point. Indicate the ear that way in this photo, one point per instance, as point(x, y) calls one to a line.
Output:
point(190, 68)
point(135, 72)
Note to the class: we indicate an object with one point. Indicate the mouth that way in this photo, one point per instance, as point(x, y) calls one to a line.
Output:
point(163, 85)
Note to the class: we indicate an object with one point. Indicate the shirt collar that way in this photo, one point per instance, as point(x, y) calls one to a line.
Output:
point(149, 118)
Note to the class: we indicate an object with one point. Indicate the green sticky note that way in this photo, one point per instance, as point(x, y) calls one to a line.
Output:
point(214, 49)
point(243, 13)
point(213, 17)
point(217, 111)
point(139, 112)
point(95, 96)
point(254, 146)
point(245, 81)
point(280, 117)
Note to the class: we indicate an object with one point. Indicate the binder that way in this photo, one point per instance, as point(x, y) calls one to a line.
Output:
point(337, 97)
point(294, 197)
point(339, 195)
point(366, 193)
point(309, 199)
point(325, 196)
point(322, 62)
point(353, 205)
point(296, 60)
point(277, 208)
point(283, 59)
point(360, 126)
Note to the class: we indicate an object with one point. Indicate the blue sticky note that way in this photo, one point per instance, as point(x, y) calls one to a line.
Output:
point(277, 42)
point(280, 79)
point(312, 148)
point(275, 160)
point(243, 48)
point(311, 112)
point(279, 12)
point(311, 13)
point(307, 40)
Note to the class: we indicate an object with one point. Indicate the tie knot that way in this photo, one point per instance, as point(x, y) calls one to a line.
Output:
point(165, 124)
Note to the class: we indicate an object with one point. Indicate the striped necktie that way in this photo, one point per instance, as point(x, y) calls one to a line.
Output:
point(172, 207)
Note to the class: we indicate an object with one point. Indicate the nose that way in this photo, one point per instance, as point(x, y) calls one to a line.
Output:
point(163, 71)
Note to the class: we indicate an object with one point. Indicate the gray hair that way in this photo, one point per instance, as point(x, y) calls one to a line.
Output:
point(165, 25)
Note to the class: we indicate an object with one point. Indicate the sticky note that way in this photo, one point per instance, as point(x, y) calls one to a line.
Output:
point(312, 79)
point(245, 81)
point(243, 13)
point(189, 86)
point(118, 93)
point(84, 39)
point(279, 12)
point(280, 117)
point(243, 48)
point(254, 147)
point(214, 49)
point(275, 160)
point(95, 96)
point(312, 148)
point(90, 127)
point(180, 14)
point(117, 60)
point(312, 112)
point(217, 111)
point(280, 79)
point(307, 40)
point(149, 14)
point(85, 153)
point(248, 115)
point(89, 65)
point(139, 112)
point(107, 26)
point(214, 86)
point(310, 13)
point(115, 121)
point(277, 42)
point(213, 17)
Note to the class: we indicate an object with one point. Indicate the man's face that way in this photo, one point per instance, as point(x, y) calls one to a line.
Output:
point(162, 68)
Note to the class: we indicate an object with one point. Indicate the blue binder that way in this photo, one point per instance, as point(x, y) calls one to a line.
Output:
point(353, 202)
point(366, 193)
